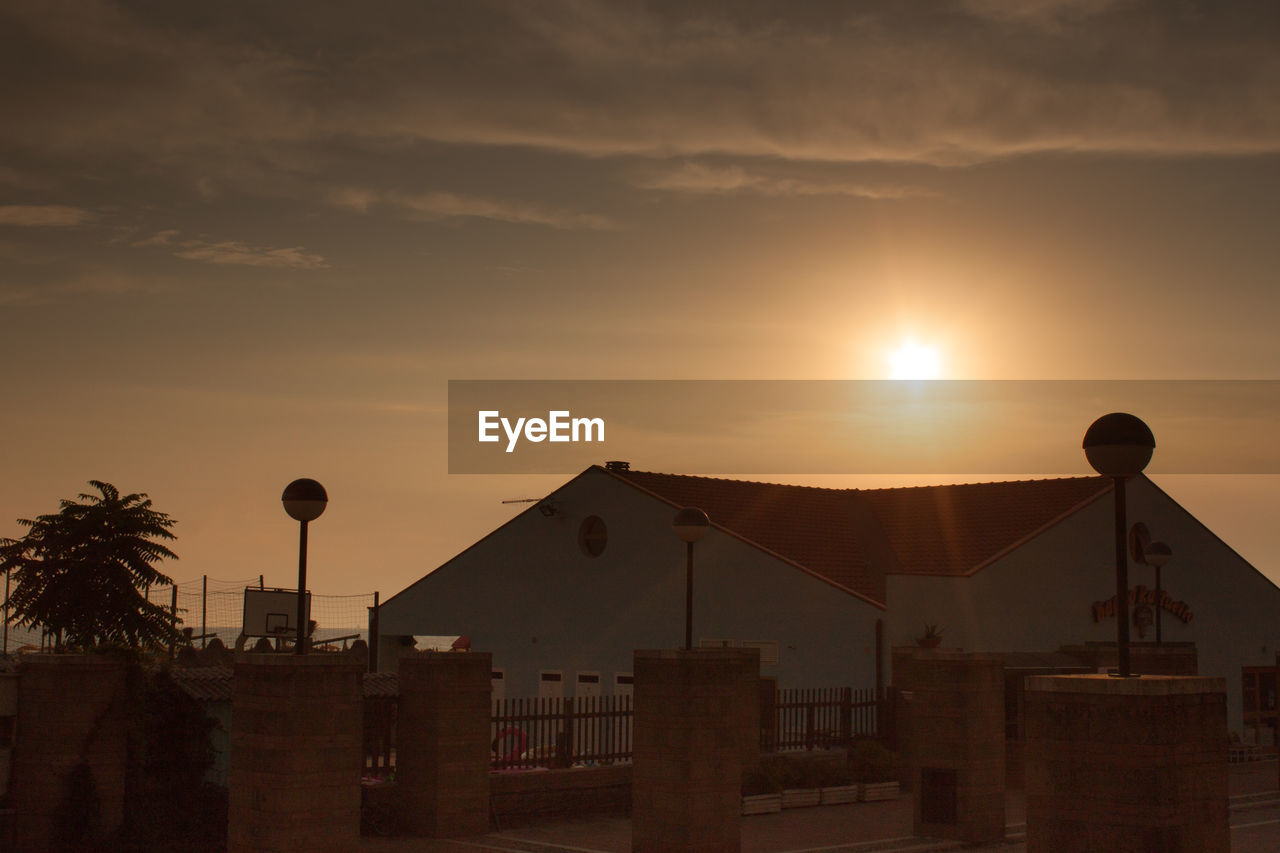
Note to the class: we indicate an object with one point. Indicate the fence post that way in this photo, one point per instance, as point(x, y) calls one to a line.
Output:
point(564, 743)
point(768, 714)
point(204, 610)
point(846, 717)
point(374, 629)
point(810, 712)
point(173, 617)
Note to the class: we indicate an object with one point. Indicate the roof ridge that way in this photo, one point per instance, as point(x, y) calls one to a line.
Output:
point(734, 480)
point(979, 483)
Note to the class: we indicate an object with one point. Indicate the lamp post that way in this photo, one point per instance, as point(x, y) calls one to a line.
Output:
point(1157, 554)
point(690, 524)
point(304, 499)
point(1119, 446)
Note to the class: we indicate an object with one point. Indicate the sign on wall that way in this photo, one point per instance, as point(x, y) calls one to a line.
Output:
point(1141, 596)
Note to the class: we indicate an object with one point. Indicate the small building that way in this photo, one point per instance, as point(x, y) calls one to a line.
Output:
point(826, 581)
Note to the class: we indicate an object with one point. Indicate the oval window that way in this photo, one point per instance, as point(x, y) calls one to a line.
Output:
point(592, 536)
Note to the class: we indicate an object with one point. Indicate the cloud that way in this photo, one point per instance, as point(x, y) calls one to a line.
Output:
point(432, 206)
point(691, 177)
point(160, 238)
point(945, 83)
point(233, 252)
point(43, 215)
point(241, 254)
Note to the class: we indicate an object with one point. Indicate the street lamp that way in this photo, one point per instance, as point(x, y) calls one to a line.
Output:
point(1157, 554)
point(1119, 446)
point(690, 524)
point(304, 499)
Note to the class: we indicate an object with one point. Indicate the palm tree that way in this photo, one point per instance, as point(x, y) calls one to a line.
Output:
point(82, 573)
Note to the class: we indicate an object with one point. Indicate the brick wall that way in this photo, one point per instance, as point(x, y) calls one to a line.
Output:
point(442, 750)
point(523, 796)
point(71, 709)
point(696, 726)
point(295, 754)
point(1135, 764)
point(955, 728)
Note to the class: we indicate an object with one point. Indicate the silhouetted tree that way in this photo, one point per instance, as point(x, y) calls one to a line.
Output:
point(82, 572)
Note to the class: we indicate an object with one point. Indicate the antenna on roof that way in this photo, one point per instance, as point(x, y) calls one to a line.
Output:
point(545, 506)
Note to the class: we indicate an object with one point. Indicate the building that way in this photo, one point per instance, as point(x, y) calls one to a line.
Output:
point(826, 581)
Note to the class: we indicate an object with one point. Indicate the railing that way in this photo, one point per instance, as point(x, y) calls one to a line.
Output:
point(819, 718)
point(528, 733)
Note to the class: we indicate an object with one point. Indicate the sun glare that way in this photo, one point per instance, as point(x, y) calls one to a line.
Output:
point(912, 360)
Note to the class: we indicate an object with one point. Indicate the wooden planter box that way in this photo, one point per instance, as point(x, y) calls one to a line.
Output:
point(795, 798)
point(871, 791)
point(839, 794)
point(762, 804)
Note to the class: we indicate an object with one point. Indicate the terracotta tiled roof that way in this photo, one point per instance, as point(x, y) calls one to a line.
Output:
point(808, 526)
point(956, 530)
point(381, 684)
point(204, 683)
point(852, 538)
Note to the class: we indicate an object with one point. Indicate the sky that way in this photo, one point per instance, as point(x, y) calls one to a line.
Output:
point(242, 243)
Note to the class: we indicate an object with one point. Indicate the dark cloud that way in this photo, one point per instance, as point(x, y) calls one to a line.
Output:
point(243, 88)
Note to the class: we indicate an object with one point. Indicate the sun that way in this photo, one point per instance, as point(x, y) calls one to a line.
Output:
point(912, 360)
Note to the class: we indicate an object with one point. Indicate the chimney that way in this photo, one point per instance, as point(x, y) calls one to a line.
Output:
point(617, 465)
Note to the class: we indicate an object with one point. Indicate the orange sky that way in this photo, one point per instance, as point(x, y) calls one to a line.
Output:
point(241, 244)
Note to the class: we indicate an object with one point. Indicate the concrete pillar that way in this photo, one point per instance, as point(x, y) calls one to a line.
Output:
point(296, 754)
point(696, 726)
point(72, 709)
point(442, 743)
point(1126, 764)
point(956, 732)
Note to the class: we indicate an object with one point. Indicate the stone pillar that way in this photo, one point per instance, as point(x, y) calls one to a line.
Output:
point(697, 724)
point(296, 754)
point(442, 743)
point(956, 733)
point(72, 709)
point(1126, 764)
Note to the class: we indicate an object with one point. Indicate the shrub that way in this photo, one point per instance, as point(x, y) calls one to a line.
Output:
point(780, 772)
point(871, 762)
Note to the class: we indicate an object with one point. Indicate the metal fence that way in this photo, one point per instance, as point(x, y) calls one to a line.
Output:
point(824, 717)
point(586, 730)
point(528, 733)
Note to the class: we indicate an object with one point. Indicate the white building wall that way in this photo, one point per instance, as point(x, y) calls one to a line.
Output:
point(1040, 596)
point(528, 594)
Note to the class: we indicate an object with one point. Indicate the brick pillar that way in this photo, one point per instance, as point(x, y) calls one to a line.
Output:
point(296, 754)
point(442, 743)
point(696, 713)
point(71, 709)
point(1126, 764)
point(956, 732)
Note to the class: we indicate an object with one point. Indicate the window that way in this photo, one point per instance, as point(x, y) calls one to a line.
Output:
point(551, 684)
point(592, 536)
point(497, 684)
point(768, 650)
point(588, 684)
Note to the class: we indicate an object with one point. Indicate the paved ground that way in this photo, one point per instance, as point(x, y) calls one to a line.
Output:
point(855, 828)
